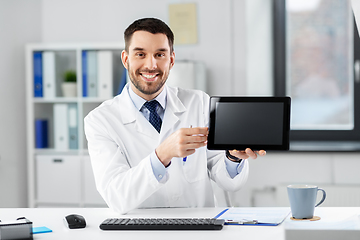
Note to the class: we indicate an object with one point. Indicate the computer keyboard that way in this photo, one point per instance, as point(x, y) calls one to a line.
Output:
point(162, 224)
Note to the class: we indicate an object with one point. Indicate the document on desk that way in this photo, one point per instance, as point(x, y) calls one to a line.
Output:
point(254, 216)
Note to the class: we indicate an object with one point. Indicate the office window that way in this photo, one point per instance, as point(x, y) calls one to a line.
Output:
point(319, 63)
point(315, 47)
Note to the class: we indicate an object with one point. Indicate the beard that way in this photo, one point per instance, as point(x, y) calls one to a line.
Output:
point(147, 88)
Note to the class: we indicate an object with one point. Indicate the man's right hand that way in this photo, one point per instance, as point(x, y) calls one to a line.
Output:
point(182, 143)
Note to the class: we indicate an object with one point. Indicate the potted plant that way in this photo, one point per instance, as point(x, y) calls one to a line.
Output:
point(69, 88)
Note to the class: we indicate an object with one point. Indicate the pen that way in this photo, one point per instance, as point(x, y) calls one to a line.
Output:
point(245, 222)
point(184, 159)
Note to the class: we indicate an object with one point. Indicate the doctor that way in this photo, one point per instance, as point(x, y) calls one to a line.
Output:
point(142, 150)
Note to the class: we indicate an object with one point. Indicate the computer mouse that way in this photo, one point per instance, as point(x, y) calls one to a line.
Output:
point(73, 221)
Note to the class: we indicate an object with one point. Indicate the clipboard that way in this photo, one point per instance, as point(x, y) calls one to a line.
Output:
point(254, 216)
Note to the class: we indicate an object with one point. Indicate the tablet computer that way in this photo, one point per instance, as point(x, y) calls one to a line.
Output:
point(259, 123)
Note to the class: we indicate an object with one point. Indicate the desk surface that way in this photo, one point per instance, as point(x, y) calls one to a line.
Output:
point(53, 219)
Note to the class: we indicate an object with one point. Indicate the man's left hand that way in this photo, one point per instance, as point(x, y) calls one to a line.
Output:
point(247, 153)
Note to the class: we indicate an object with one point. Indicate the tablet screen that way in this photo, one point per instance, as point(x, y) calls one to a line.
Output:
point(259, 123)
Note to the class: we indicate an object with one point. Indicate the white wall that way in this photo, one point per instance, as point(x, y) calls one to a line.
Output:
point(234, 42)
point(20, 22)
point(281, 169)
point(259, 73)
point(106, 20)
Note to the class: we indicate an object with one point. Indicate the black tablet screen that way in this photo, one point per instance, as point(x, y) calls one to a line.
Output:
point(247, 123)
point(259, 123)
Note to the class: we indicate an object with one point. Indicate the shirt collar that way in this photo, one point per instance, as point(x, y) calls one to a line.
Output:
point(139, 101)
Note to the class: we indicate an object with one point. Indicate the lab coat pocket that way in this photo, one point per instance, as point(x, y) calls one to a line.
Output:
point(195, 167)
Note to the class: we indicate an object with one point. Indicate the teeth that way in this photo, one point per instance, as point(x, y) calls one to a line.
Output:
point(149, 76)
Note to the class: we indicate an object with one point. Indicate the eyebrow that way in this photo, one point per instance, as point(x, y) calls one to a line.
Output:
point(158, 50)
point(162, 50)
point(138, 49)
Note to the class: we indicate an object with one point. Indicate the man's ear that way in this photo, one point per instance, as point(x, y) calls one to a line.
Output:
point(172, 59)
point(124, 58)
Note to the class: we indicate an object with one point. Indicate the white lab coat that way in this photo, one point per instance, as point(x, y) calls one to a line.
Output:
point(120, 141)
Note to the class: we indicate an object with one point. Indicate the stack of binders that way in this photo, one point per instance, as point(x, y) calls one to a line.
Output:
point(65, 126)
point(97, 70)
point(44, 74)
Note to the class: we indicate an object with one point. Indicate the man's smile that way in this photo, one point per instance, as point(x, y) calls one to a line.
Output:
point(149, 76)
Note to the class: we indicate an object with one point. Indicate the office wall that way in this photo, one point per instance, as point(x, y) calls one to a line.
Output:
point(259, 44)
point(271, 174)
point(20, 22)
point(221, 40)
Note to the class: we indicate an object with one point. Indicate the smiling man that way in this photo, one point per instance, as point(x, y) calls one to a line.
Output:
point(148, 73)
point(142, 150)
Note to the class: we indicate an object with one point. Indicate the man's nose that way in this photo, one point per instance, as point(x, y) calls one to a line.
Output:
point(150, 63)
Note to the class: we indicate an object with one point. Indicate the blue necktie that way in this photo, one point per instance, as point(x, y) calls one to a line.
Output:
point(154, 118)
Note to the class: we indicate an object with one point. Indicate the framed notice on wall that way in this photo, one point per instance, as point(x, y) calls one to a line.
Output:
point(183, 22)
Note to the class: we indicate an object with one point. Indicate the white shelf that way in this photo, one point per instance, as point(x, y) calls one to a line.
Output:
point(69, 100)
point(56, 100)
point(52, 151)
point(45, 163)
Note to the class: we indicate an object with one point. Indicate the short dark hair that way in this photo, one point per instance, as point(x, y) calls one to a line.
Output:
point(151, 25)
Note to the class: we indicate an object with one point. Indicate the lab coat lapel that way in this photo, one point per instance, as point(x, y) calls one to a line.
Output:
point(133, 118)
point(174, 109)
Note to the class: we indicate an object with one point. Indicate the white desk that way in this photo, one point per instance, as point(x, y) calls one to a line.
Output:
point(53, 219)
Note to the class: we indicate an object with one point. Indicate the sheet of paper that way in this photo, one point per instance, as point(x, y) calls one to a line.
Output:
point(183, 22)
point(262, 215)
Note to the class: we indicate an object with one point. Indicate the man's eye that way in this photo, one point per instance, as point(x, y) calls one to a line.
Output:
point(160, 55)
point(140, 54)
